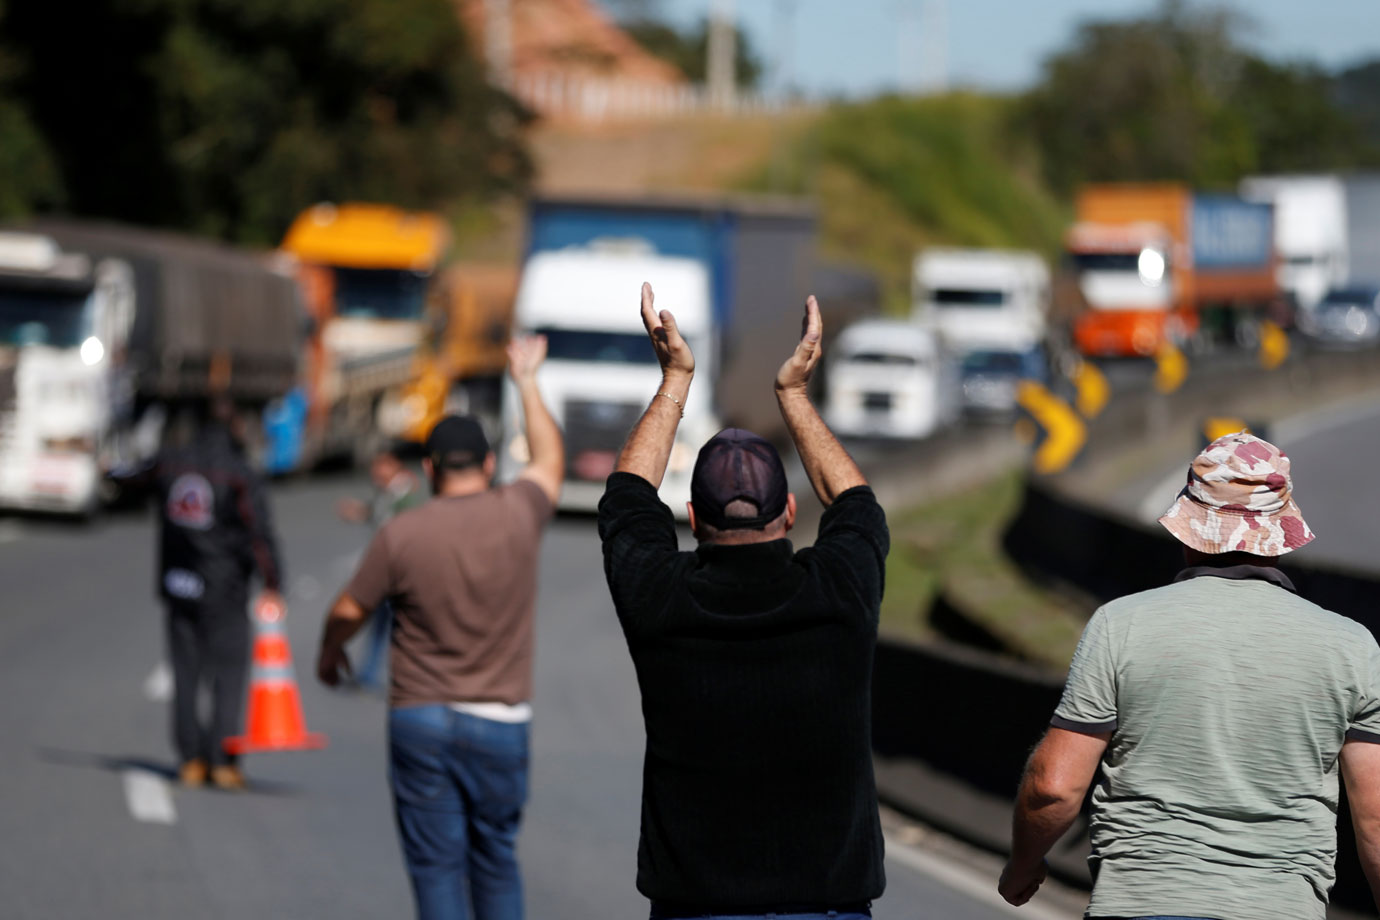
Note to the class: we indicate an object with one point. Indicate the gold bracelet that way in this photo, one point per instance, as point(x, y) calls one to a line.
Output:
point(678, 403)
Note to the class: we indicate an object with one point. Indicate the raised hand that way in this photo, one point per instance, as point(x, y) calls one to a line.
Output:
point(795, 373)
point(672, 351)
point(525, 355)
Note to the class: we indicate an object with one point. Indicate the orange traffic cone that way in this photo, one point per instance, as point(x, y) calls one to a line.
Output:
point(275, 721)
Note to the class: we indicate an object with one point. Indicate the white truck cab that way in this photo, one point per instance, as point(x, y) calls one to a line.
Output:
point(891, 379)
point(600, 371)
point(988, 299)
point(63, 323)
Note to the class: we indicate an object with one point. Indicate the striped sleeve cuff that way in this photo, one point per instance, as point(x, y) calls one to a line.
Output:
point(1096, 728)
point(1360, 734)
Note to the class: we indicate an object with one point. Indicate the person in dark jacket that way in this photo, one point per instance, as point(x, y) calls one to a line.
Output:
point(754, 661)
point(215, 534)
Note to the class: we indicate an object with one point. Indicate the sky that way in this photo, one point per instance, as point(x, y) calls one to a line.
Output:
point(860, 47)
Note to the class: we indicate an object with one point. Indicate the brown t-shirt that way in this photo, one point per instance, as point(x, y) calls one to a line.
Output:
point(461, 575)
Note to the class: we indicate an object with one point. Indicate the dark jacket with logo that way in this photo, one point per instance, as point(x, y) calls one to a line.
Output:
point(216, 530)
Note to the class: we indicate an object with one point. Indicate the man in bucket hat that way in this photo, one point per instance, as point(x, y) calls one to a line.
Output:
point(1222, 709)
point(754, 661)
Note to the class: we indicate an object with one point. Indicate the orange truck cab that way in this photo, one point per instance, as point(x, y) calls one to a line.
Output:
point(369, 276)
point(1149, 257)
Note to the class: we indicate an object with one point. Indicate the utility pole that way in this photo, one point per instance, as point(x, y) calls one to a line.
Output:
point(722, 54)
point(908, 40)
point(498, 42)
point(782, 76)
point(934, 38)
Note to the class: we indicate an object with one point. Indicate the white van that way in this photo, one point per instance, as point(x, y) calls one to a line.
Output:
point(982, 299)
point(600, 371)
point(889, 378)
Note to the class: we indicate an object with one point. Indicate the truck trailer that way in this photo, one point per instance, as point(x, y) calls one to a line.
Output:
point(1157, 262)
point(109, 333)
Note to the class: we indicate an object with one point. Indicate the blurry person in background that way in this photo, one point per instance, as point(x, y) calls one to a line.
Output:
point(215, 533)
point(460, 572)
point(1222, 709)
point(396, 488)
point(754, 661)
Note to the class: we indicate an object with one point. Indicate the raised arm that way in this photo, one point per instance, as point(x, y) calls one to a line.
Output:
point(831, 471)
point(648, 448)
point(546, 467)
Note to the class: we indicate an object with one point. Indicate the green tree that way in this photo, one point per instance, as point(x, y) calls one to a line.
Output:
point(1176, 96)
point(28, 175)
point(1143, 99)
point(230, 116)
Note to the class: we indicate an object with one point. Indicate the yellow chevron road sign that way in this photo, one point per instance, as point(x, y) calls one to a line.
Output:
point(1093, 389)
point(1171, 368)
point(1064, 431)
point(1274, 345)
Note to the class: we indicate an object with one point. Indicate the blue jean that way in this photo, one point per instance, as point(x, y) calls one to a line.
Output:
point(459, 784)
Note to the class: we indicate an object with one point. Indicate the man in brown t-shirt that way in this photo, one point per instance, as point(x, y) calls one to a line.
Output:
point(460, 573)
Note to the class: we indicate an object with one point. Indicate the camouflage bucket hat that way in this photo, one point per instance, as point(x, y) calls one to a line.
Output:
point(1238, 498)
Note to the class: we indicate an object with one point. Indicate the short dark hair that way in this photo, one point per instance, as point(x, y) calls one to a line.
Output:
point(739, 509)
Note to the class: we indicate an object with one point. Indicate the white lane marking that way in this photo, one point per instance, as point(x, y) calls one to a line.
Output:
point(305, 588)
point(158, 686)
point(968, 881)
point(149, 797)
point(11, 531)
point(1304, 425)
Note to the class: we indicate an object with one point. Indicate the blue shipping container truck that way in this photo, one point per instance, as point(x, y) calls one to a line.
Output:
point(761, 263)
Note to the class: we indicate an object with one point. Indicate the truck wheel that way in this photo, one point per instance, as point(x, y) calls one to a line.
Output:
point(1246, 331)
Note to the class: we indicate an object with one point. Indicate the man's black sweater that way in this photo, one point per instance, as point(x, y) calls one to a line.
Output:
point(755, 665)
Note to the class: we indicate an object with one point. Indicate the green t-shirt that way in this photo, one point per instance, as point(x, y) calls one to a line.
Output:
point(1228, 699)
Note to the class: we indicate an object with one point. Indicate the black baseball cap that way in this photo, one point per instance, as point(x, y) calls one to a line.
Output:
point(733, 465)
point(457, 442)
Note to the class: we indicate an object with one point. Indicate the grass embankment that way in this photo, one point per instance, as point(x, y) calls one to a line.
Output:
point(952, 547)
point(894, 175)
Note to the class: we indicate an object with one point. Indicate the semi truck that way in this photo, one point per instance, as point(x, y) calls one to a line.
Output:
point(1156, 262)
point(990, 307)
point(109, 334)
point(735, 272)
point(369, 276)
point(890, 378)
point(1310, 233)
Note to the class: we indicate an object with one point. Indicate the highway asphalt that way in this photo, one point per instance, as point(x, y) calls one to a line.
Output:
point(93, 828)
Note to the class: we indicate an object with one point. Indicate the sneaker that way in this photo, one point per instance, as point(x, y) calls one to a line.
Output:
point(192, 773)
point(228, 777)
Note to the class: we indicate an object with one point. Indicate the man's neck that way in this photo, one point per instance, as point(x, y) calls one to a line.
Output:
point(458, 486)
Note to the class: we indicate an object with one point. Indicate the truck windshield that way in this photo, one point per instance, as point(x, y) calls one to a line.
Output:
point(1107, 261)
point(993, 362)
point(878, 357)
point(38, 317)
point(597, 345)
point(965, 297)
point(380, 293)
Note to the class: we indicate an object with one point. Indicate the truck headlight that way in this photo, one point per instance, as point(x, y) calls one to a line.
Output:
point(92, 351)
